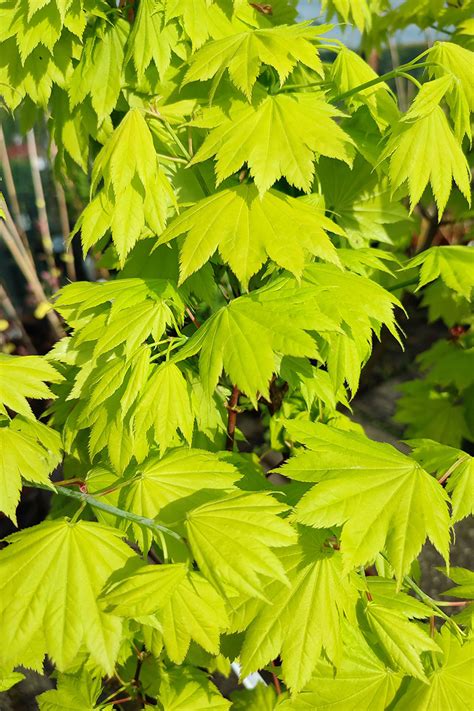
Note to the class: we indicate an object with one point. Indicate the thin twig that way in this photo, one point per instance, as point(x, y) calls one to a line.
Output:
point(232, 408)
point(85, 498)
point(452, 468)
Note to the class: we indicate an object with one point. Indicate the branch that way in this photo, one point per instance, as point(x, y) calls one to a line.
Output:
point(85, 498)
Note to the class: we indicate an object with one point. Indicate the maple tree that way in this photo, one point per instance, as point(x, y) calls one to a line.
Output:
point(251, 181)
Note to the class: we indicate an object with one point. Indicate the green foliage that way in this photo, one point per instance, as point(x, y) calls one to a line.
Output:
point(254, 189)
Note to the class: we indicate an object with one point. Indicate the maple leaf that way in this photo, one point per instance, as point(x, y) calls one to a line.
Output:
point(135, 192)
point(253, 520)
point(422, 148)
point(242, 55)
point(453, 264)
point(429, 413)
point(402, 640)
point(349, 71)
point(250, 229)
point(382, 498)
point(23, 378)
point(455, 61)
point(183, 602)
point(74, 691)
point(178, 475)
point(360, 202)
point(305, 618)
point(357, 12)
point(29, 451)
point(168, 386)
point(151, 39)
point(242, 337)
point(186, 689)
point(276, 135)
point(440, 459)
point(362, 681)
point(99, 71)
point(51, 575)
point(450, 686)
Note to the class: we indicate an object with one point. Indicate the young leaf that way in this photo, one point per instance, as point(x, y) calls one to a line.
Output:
point(362, 681)
point(349, 71)
point(276, 135)
point(242, 337)
point(380, 496)
point(30, 451)
point(422, 149)
point(180, 474)
point(51, 575)
point(23, 378)
point(440, 459)
point(250, 229)
point(74, 691)
point(303, 620)
point(184, 603)
point(186, 689)
point(151, 39)
point(403, 641)
point(450, 686)
point(167, 386)
point(453, 264)
point(231, 540)
point(242, 55)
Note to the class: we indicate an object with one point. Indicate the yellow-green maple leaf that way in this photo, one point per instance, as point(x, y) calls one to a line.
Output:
point(276, 135)
point(242, 55)
point(247, 228)
point(50, 577)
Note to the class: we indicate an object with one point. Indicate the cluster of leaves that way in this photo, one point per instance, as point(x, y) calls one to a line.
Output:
point(241, 184)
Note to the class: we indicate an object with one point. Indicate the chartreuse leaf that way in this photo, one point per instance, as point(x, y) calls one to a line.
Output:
point(260, 698)
point(179, 474)
point(74, 691)
point(99, 71)
point(253, 521)
point(9, 680)
point(349, 71)
point(361, 202)
point(304, 619)
point(188, 689)
point(361, 681)
point(184, 603)
point(464, 580)
point(440, 459)
point(135, 191)
point(242, 55)
point(383, 499)
point(357, 12)
point(447, 58)
point(168, 386)
point(30, 451)
point(454, 264)
point(385, 594)
point(241, 338)
point(276, 135)
point(423, 149)
point(151, 39)
point(247, 228)
point(450, 687)
point(403, 641)
point(22, 378)
point(50, 576)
